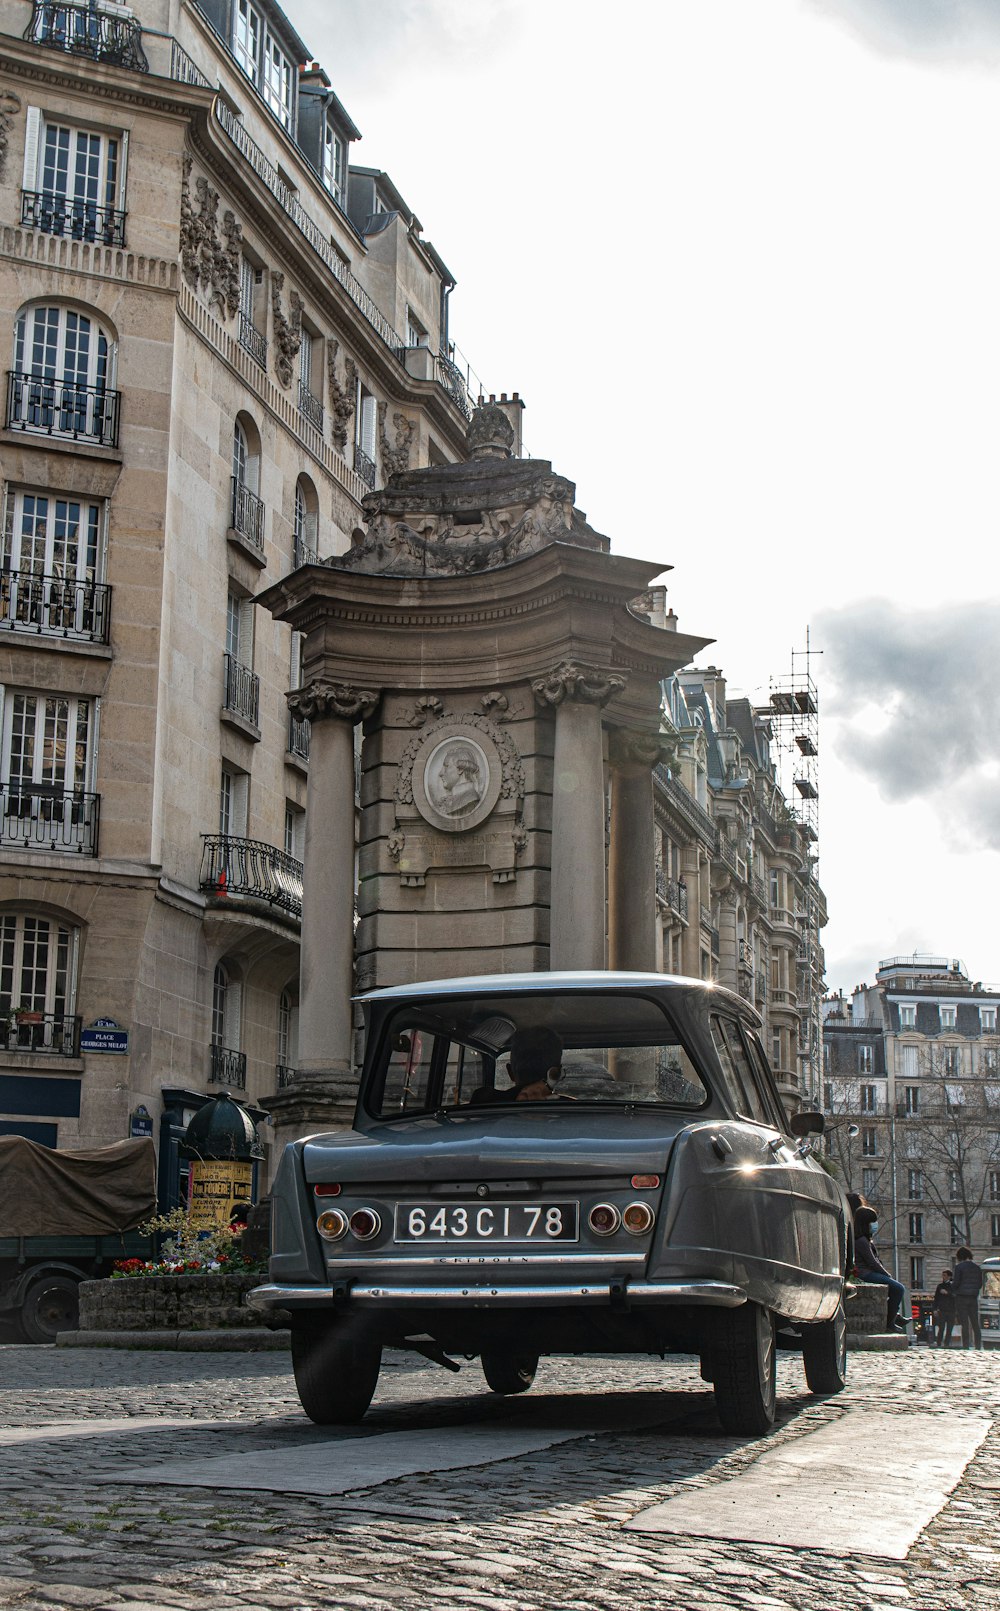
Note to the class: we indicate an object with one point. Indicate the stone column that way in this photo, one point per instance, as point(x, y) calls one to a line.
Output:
point(632, 855)
point(577, 896)
point(691, 866)
point(323, 1089)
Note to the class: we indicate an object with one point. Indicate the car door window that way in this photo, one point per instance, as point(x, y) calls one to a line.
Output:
point(739, 1074)
point(764, 1080)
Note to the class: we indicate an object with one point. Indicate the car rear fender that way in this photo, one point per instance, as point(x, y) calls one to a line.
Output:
point(296, 1254)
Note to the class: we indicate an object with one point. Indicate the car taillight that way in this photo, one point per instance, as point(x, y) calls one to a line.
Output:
point(604, 1219)
point(327, 1191)
point(332, 1224)
point(637, 1218)
point(365, 1223)
point(645, 1182)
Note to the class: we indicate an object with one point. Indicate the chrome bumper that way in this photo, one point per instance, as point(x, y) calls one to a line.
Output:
point(475, 1295)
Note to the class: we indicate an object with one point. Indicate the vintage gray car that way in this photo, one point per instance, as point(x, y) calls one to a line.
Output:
point(561, 1164)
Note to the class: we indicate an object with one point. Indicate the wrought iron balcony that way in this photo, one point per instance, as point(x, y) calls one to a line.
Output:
point(310, 407)
point(84, 31)
point(71, 216)
point(242, 690)
point(364, 466)
point(746, 955)
point(44, 1033)
point(252, 340)
point(302, 554)
point(298, 738)
point(247, 869)
point(450, 377)
point(62, 408)
point(284, 1076)
point(55, 607)
point(246, 514)
point(227, 1067)
point(673, 893)
point(45, 816)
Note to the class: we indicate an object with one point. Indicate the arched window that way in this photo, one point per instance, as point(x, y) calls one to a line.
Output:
point(305, 522)
point(228, 1065)
point(61, 383)
point(247, 510)
point(288, 1038)
point(38, 966)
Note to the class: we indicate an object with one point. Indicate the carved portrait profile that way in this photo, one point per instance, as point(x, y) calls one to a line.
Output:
point(454, 773)
point(456, 777)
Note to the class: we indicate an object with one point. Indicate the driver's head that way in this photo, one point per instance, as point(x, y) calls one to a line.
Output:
point(535, 1054)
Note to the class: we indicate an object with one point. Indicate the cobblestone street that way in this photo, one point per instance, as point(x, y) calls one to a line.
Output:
point(87, 1522)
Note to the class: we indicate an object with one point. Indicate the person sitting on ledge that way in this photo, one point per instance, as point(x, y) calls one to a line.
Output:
point(870, 1266)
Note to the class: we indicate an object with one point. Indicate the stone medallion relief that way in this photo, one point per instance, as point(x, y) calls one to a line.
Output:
point(459, 795)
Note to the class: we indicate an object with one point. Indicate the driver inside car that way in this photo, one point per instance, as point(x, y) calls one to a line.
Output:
point(535, 1061)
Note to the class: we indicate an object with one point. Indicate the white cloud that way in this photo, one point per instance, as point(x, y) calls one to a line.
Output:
point(963, 30)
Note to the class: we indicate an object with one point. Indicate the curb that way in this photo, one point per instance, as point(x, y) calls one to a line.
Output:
point(249, 1339)
point(882, 1342)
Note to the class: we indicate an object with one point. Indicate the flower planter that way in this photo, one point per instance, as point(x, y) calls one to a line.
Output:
point(173, 1311)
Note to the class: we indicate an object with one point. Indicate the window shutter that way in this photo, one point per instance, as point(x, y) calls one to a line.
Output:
point(122, 167)
point(32, 135)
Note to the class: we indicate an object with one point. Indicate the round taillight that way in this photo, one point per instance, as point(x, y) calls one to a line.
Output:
point(645, 1182)
point(365, 1224)
point(334, 1191)
point(637, 1218)
point(604, 1219)
point(332, 1224)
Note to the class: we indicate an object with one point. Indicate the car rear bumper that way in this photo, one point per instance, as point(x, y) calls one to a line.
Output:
point(474, 1295)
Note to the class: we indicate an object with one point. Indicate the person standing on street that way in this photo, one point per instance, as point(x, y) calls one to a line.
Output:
point(966, 1284)
point(944, 1311)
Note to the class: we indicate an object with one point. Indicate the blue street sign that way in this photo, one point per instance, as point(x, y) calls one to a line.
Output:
point(140, 1122)
point(104, 1035)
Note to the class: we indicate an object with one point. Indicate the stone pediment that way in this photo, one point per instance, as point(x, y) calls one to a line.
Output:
point(459, 519)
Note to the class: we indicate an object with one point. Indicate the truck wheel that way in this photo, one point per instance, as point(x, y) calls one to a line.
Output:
point(509, 1373)
point(743, 1370)
point(51, 1305)
point(824, 1354)
point(336, 1369)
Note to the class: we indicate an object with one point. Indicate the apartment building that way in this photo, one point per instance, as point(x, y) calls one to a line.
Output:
point(219, 335)
point(913, 1062)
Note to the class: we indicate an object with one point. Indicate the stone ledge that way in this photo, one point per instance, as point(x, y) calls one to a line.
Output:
point(871, 1342)
point(248, 1339)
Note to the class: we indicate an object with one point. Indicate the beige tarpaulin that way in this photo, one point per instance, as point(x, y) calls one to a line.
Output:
point(48, 1193)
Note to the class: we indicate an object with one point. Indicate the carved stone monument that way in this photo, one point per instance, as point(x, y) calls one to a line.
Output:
point(481, 631)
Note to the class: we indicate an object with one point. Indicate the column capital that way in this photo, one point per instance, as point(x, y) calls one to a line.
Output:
point(322, 699)
point(626, 747)
point(573, 679)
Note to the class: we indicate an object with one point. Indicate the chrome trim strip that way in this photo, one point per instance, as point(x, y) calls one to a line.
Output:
point(720, 1294)
point(446, 1260)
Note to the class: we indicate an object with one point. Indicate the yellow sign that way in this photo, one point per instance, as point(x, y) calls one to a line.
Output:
point(215, 1188)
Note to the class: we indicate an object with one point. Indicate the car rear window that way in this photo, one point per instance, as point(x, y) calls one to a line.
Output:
point(511, 1052)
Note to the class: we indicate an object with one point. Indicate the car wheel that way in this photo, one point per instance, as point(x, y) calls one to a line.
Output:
point(336, 1370)
point(50, 1306)
point(743, 1370)
point(509, 1373)
point(824, 1354)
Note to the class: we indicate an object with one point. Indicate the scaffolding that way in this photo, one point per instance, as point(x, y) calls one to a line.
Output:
point(793, 709)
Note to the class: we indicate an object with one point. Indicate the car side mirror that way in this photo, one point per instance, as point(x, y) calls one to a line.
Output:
point(807, 1124)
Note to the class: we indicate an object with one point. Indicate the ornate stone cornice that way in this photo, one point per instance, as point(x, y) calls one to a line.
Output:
point(629, 748)
point(572, 679)
point(318, 700)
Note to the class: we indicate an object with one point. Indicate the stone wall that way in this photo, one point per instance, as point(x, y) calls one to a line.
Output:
point(169, 1303)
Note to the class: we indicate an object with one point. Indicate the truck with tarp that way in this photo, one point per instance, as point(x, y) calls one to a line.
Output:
point(67, 1217)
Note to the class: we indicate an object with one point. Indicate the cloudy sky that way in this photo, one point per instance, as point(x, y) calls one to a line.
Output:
point(742, 261)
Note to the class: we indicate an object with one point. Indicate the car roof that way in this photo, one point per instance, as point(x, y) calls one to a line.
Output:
point(669, 984)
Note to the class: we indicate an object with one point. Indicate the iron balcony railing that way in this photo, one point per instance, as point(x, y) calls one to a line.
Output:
point(234, 869)
point(49, 817)
point(673, 892)
point(84, 31)
point(686, 803)
point(183, 69)
point(62, 408)
point(242, 691)
point(227, 1067)
point(302, 554)
point(310, 407)
point(746, 955)
point(252, 340)
point(72, 216)
point(247, 514)
point(451, 378)
point(45, 1033)
point(298, 738)
point(364, 467)
point(55, 606)
point(284, 1076)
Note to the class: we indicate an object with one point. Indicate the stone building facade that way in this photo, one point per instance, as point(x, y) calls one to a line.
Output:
point(219, 337)
point(913, 1062)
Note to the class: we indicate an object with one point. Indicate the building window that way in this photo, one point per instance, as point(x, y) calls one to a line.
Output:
point(38, 963)
point(828, 1096)
point(305, 524)
point(246, 38)
point(277, 86)
point(956, 1226)
point(912, 1100)
point(869, 1143)
point(61, 381)
point(334, 162)
point(252, 340)
point(988, 1020)
point(46, 768)
point(52, 566)
point(776, 1048)
point(365, 419)
point(995, 1230)
point(74, 181)
point(233, 795)
point(827, 1060)
point(869, 1182)
point(954, 1186)
point(916, 1227)
point(995, 1185)
point(865, 1059)
point(416, 333)
point(909, 1065)
point(952, 1060)
point(916, 1274)
point(907, 1017)
point(775, 887)
point(869, 1099)
point(991, 1060)
point(947, 1017)
point(914, 1185)
point(295, 831)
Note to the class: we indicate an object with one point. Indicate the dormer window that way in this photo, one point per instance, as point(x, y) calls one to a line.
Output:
point(277, 85)
point(334, 162)
point(264, 61)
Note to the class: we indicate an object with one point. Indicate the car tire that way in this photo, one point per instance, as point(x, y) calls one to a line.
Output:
point(509, 1373)
point(824, 1354)
point(336, 1369)
point(51, 1305)
point(744, 1370)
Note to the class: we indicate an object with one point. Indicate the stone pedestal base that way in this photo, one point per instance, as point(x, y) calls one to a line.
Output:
point(315, 1102)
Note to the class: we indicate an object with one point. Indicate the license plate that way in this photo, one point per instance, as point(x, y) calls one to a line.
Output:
point(492, 1223)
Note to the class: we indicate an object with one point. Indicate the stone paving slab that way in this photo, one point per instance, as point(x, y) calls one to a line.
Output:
point(812, 1493)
